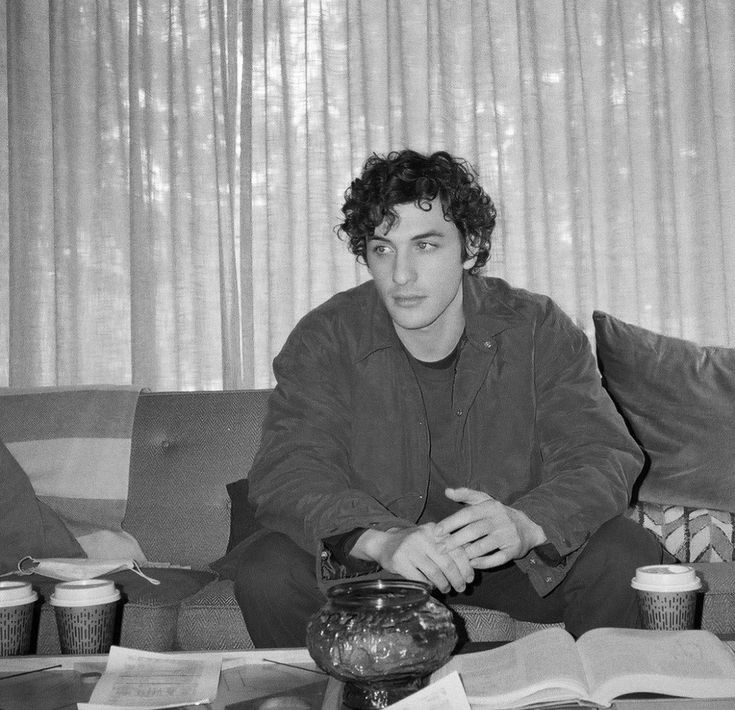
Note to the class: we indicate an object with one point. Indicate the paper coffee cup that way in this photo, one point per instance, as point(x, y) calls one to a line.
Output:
point(86, 611)
point(666, 578)
point(667, 596)
point(17, 602)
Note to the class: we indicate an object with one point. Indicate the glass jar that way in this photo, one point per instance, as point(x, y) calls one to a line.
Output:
point(382, 638)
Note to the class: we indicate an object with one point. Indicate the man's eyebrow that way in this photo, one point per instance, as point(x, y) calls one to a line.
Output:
point(426, 235)
point(414, 238)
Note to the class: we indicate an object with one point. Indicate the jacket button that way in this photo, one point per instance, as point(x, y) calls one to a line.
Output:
point(459, 412)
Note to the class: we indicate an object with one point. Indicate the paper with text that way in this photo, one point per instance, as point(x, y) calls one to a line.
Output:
point(444, 694)
point(142, 679)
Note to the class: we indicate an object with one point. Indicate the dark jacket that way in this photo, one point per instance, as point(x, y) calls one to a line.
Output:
point(346, 444)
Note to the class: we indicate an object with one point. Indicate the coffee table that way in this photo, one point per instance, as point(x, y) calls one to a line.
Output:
point(250, 680)
point(247, 680)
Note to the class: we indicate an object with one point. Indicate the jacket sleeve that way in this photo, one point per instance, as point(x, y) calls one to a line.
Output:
point(589, 461)
point(300, 480)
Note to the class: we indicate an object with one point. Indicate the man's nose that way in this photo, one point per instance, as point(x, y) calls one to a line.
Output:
point(403, 269)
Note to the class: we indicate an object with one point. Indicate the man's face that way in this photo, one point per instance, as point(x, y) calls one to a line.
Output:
point(417, 268)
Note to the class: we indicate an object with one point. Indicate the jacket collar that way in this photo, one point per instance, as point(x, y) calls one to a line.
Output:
point(486, 310)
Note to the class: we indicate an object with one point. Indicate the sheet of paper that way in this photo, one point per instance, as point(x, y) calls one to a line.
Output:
point(445, 694)
point(142, 679)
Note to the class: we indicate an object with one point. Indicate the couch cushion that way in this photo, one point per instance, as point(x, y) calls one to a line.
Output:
point(187, 446)
point(718, 601)
point(678, 399)
point(211, 620)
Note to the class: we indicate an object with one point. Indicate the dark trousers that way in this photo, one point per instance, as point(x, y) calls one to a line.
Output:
point(277, 590)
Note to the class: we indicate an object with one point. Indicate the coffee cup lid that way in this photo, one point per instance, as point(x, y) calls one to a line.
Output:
point(15, 593)
point(84, 592)
point(666, 578)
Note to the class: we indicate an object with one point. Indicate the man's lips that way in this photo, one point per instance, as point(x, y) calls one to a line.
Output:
point(407, 301)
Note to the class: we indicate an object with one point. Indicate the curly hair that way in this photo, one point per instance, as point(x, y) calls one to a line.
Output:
point(406, 176)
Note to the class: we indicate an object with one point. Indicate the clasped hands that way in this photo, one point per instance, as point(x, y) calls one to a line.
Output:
point(483, 534)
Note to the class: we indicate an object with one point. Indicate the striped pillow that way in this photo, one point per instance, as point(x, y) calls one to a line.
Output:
point(74, 445)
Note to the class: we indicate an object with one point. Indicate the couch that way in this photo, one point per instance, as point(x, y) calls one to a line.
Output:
point(188, 450)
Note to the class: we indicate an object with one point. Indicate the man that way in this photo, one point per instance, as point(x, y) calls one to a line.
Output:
point(439, 426)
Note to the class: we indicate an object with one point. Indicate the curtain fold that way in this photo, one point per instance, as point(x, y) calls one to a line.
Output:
point(171, 170)
point(123, 228)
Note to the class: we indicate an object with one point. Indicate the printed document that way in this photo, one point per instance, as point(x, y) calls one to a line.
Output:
point(142, 679)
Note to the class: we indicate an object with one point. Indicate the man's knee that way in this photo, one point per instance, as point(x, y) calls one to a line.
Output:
point(276, 589)
point(274, 567)
point(597, 590)
point(621, 545)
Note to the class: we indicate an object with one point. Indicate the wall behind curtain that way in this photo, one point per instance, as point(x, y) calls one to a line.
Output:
point(176, 168)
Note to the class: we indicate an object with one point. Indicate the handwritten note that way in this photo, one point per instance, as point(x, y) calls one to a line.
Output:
point(141, 679)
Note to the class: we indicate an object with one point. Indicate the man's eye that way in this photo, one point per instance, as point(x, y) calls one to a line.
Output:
point(425, 246)
point(380, 249)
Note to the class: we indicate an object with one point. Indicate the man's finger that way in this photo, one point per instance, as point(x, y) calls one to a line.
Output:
point(414, 574)
point(466, 495)
point(495, 560)
point(464, 567)
point(467, 534)
point(466, 516)
point(443, 573)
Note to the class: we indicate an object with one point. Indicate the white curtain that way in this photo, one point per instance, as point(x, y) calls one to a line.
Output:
point(176, 167)
point(122, 230)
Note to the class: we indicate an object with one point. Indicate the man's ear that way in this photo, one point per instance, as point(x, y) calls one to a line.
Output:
point(469, 249)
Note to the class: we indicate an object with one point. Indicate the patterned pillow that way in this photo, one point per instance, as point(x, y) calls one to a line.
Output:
point(690, 534)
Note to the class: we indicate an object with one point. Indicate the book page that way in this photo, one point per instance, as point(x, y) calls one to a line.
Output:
point(694, 664)
point(541, 666)
point(444, 694)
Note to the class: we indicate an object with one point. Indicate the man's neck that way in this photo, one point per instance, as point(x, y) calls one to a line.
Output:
point(429, 345)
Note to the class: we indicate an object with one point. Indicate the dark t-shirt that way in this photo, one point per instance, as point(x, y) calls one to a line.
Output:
point(436, 380)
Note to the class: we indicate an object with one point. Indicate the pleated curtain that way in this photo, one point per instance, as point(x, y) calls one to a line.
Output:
point(171, 171)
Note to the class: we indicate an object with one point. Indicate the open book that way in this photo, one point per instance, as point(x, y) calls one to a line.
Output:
point(604, 664)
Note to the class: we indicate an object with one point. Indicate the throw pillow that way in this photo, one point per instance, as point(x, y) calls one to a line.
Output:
point(27, 525)
point(242, 528)
point(242, 513)
point(690, 534)
point(74, 445)
point(678, 399)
